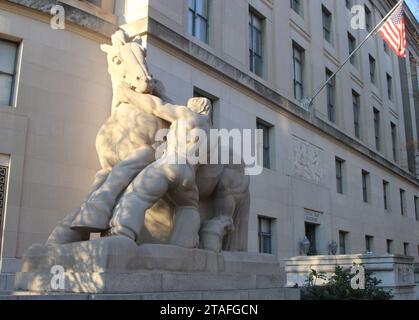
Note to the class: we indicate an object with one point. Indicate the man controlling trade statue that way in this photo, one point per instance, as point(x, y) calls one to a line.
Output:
point(173, 174)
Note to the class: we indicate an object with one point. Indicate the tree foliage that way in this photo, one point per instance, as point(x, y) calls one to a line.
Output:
point(339, 287)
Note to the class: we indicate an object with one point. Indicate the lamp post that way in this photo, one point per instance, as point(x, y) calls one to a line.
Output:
point(333, 247)
point(305, 246)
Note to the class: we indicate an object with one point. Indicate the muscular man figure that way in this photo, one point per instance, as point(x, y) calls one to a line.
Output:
point(172, 174)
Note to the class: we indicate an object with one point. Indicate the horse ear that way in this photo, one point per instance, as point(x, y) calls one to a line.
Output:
point(105, 48)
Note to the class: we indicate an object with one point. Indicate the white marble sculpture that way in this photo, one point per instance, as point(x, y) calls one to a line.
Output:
point(204, 206)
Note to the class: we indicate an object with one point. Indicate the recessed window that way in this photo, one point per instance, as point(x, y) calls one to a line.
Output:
point(389, 246)
point(343, 242)
point(373, 66)
point(406, 248)
point(368, 19)
point(394, 141)
point(267, 129)
point(8, 61)
point(256, 42)
point(331, 93)
point(369, 244)
point(297, 6)
point(389, 87)
point(298, 64)
point(377, 129)
point(416, 200)
point(352, 47)
point(357, 114)
point(265, 235)
point(365, 186)
point(339, 175)
point(402, 202)
point(327, 24)
point(386, 187)
point(198, 14)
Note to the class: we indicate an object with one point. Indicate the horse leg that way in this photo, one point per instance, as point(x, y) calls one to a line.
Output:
point(96, 211)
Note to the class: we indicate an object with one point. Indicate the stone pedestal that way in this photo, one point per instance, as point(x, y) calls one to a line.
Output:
point(396, 272)
point(118, 266)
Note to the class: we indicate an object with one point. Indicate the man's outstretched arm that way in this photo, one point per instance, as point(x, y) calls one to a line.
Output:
point(151, 104)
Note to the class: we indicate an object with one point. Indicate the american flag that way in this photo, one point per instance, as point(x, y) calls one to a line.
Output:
point(393, 31)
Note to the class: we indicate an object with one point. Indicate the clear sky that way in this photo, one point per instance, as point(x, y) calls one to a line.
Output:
point(414, 7)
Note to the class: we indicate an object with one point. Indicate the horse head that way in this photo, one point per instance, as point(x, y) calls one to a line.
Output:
point(127, 62)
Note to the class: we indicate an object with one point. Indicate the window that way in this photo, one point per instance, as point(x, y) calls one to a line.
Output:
point(198, 19)
point(365, 182)
point(416, 200)
point(327, 24)
point(357, 110)
point(339, 175)
point(330, 91)
point(369, 244)
point(389, 246)
point(8, 58)
point(373, 67)
point(4, 163)
point(402, 202)
point(352, 47)
point(377, 129)
point(255, 43)
point(297, 6)
point(265, 235)
point(343, 238)
point(368, 19)
point(385, 195)
point(262, 125)
point(406, 250)
point(97, 3)
point(394, 141)
point(298, 63)
point(389, 87)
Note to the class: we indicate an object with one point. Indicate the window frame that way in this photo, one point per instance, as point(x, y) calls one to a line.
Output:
point(265, 236)
point(198, 16)
point(14, 75)
point(253, 42)
point(298, 60)
point(327, 22)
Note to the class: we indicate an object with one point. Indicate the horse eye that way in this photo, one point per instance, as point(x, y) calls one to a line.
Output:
point(117, 60)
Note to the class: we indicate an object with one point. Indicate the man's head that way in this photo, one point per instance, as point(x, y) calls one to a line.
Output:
point(200, 105)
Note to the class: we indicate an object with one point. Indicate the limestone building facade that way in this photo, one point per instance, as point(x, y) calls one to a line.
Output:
point(345, 170)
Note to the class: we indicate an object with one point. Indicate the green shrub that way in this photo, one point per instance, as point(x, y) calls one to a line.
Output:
point(339, 287)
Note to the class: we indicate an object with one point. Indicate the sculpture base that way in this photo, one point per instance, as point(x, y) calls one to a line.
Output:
point(117, 265)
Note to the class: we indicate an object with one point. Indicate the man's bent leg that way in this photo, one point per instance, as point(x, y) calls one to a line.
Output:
point(146, 189)
point(96, 212)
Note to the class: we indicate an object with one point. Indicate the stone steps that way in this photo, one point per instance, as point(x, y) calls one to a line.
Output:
point(243, 295)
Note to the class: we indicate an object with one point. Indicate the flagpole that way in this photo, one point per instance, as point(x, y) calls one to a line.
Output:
point(369, 36)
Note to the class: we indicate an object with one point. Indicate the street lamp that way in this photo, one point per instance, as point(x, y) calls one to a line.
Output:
point(333, 247)
point(305, 246)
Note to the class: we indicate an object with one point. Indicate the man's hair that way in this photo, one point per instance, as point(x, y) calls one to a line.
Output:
point(200, 105)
